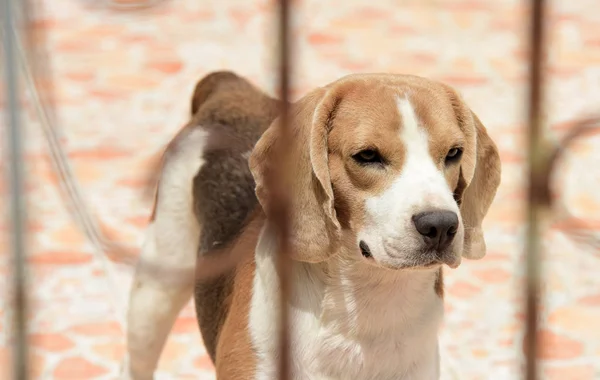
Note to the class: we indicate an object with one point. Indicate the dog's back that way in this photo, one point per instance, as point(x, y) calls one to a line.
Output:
point(205, 194)
point(233, 113)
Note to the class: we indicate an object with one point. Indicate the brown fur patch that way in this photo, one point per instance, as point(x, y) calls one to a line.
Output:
point(221, 98)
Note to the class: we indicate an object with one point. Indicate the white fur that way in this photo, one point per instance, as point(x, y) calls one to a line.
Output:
point(355, 322)
point(163, 281)
point(389, 230)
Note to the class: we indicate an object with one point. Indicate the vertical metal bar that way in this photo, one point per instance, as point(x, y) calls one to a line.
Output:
point(17, 193)
point(536, 188)
point(281, 210)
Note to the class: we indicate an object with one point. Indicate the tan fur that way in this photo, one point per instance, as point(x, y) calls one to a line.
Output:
point(235, 359)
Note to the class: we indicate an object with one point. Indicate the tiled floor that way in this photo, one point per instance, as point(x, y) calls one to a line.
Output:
point(123, 82)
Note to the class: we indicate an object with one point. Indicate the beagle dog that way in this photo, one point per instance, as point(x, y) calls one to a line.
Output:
point(203, 176)
point(393, 175)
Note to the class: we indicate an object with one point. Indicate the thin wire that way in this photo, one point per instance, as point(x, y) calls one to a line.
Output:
point(17, 196)
point(575, 228)
point(61, 165)
point(67, 182)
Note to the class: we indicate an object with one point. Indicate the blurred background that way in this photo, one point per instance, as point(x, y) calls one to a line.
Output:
point(122, 81)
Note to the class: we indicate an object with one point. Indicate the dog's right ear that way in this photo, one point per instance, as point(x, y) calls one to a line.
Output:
point(315, 231)
point(207, 85)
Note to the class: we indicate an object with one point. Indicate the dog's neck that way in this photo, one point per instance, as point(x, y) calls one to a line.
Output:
point(366, 301)
point(351, 319)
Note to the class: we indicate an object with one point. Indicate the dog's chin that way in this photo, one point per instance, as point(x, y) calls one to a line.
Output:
point(394, 265)
point(420, 261)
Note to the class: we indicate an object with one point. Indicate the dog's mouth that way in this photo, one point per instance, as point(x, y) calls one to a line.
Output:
point(365, 250)
point(425, 261)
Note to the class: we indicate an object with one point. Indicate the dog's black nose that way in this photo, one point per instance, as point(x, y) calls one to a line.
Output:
point(437, 228)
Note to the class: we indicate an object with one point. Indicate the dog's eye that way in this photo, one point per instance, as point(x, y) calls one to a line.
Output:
point(368, 156)
point(453, 155)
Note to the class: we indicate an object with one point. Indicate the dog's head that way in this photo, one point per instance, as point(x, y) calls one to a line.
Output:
point(394, 168)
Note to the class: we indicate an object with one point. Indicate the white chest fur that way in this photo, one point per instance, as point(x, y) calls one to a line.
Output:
point(349, 321)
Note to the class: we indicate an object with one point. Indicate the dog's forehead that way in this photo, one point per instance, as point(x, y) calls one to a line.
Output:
point(384, 110)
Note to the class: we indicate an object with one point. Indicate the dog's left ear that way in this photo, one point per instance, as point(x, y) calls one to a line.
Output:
point(480, 173)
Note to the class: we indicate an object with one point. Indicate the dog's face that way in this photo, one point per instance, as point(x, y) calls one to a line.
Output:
point(395, 170)
point(394, 165)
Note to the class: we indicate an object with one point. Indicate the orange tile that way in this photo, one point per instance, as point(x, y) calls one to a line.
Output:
point(185, 325)
point(81, 76)
point(60, 258)
point(574, 372)
point(69, 235)
point(593, 300)
point(370, 13)
point(87, 172)
point(106, 94)
point(5, 358)
point(492, 275)
point(98, 329)
point(463, 289)
point(98, 154)
point(139, 221)
point(576, 320)
point(166, 67)
point(240, 16)
point(323, 39)
point(51, 342)
point(480, 353)
point(78, 368)
point(113, 352)
point(37, 365)
point(203, 362)
point(132, 82)
point(554, 346)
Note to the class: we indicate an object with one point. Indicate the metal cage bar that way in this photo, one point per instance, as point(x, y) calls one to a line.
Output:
point(16, 179)
point(535, 165)
point(277, 180)
point(541, 162)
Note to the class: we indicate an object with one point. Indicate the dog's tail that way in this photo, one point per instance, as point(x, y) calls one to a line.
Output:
point(207, 86)
point(203, 90)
